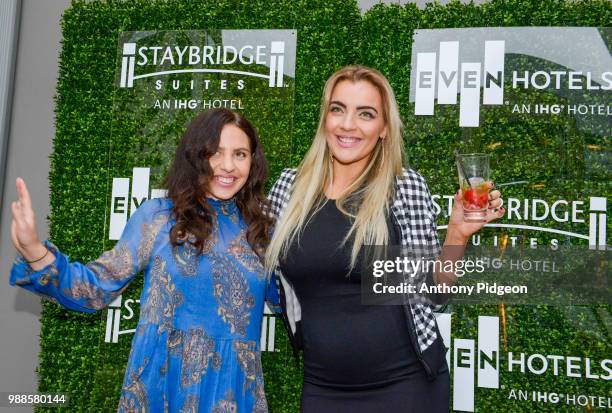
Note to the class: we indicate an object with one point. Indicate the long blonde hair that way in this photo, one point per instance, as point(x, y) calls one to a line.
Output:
point(315, 171)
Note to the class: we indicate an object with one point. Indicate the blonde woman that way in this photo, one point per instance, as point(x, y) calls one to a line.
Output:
point(352, 190)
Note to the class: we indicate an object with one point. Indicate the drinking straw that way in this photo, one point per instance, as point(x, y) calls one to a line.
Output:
point(460, 163)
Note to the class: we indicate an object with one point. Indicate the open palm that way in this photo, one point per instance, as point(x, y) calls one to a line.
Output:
point(23, 227)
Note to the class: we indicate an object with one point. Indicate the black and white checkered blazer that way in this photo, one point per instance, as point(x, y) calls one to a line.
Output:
point(413, 210)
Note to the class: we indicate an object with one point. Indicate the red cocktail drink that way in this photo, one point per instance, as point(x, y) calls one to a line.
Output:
point(473, 177)
point(475, 199)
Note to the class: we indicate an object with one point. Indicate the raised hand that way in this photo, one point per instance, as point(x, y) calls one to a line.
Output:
point(459, 231)
point(23, 227)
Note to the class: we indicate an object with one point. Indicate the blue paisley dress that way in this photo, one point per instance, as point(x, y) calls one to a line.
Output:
point(196, 346)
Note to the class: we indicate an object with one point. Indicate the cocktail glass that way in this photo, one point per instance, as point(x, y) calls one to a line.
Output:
point(473, 179)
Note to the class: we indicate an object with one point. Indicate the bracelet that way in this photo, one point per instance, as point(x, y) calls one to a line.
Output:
point(41, 258)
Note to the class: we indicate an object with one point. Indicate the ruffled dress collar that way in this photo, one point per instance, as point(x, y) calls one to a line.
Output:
point(226, 207)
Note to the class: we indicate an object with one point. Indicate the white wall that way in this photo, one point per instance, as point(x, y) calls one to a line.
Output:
point(29, 145)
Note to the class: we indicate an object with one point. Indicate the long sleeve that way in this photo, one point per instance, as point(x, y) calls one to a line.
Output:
point(419, 213)
point(438, 301)
point(278, 200)
point(279, 193)
point(92, 286)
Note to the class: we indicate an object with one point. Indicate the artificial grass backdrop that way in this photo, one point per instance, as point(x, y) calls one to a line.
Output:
point(331, 34)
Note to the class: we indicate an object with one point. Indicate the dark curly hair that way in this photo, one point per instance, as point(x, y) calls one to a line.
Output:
point(188, 179)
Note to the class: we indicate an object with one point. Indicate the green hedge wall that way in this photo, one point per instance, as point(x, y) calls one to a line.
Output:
point(551, 153)
point(331, 34)
point(73, 358)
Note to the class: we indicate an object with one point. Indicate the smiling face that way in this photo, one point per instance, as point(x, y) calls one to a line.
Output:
point(354, 122)
point(230, 164)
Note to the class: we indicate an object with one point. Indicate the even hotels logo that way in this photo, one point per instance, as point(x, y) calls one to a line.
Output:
point(123, 201)
point(441, 76)
point(539, 71)
point(475, 362)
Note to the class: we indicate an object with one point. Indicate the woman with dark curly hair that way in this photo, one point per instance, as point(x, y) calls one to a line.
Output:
point(201, 248)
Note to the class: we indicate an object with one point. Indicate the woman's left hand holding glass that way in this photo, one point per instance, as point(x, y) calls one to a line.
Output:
point(459, 231)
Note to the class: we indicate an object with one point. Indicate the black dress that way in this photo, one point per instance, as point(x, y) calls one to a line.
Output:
point(357, 358)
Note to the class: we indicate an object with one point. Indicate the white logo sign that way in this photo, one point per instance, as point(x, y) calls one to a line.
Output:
point(476, 363)
point(469, 359)
point(452, 66)
point(121, 309)
point(211, 57)
point(536, 210)
point(466, 78)
point(121, 199)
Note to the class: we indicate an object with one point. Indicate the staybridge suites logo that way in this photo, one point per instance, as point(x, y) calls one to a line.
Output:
point(451, 77)
point(124, 310)
point(528, 214)
point(204, 59)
